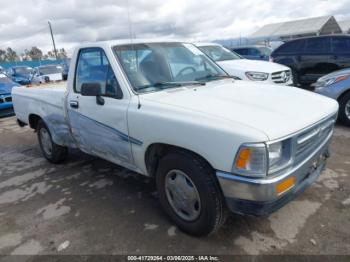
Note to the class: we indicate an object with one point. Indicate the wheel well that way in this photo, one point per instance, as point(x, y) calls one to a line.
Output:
point(156, 151)
point(343, 94)
point(33, 120)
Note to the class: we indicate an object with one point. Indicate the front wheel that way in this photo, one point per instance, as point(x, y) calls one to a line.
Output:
point(344, 109)
point(51, 151)
point(190, 194)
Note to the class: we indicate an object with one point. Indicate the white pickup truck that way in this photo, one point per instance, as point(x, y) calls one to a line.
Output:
point(165, 110)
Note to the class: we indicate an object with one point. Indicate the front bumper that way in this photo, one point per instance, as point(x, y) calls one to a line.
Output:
point(259, 197)
point(6, 108)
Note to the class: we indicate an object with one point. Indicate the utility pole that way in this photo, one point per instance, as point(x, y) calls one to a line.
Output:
point(53, 40)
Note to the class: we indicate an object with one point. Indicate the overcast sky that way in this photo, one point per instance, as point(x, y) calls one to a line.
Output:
point(23, 23)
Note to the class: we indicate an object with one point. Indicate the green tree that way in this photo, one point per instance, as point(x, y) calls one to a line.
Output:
point(25, 55)
point(35, 53)
point(2, 55)
point(51, 54)
point(11, 55)
point(62, 54)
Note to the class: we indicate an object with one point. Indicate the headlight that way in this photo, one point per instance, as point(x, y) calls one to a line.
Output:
point(251, 160)
point(275, 153)
point(279, 155)
point(330, 81)
point(258, 160)
point(257, 76)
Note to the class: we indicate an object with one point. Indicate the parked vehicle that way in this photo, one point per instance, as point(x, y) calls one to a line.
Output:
point(47, 73)
point(21, 74)
point(165, 110)
point(253, 52)
point(235, 65)
point(313, 57)
point(337, 86)
point(6, 85)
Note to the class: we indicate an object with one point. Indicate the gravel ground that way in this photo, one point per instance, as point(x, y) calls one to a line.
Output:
point(90, 206)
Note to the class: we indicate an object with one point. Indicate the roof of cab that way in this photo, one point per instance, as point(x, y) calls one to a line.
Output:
point(206, 44)
point(110, 43)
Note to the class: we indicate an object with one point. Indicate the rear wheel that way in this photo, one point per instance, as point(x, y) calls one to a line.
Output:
point(51, 151)
point(190, 194)
point(344, 109)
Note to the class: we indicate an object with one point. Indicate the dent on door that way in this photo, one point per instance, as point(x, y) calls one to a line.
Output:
point(104, 141)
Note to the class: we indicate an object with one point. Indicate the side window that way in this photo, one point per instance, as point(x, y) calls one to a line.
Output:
point(94, 67)
point(341, 45)
point(317, 45)
point(253, 52)
point(241, 51)
point(291, 47)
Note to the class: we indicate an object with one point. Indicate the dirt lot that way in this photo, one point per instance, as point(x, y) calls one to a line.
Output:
point(89, 206)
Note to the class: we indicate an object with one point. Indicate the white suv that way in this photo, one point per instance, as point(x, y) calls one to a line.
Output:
point(244, 69)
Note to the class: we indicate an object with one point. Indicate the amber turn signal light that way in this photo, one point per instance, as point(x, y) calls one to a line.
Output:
point(285, 185)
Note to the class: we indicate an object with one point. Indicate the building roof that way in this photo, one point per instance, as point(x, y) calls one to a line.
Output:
point(345, 26)
point(315, 25)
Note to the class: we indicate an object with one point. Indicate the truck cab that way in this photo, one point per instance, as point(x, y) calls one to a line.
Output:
point(165, 110)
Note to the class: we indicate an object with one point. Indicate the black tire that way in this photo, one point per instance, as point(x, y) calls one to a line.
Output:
point(213, 211)
point(342, 109)
point(58, 153)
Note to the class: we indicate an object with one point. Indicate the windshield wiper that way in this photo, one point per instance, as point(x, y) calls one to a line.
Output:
point(165, 85)
point(213, 77)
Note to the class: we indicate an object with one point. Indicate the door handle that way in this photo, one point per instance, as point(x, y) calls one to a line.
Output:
point(74, 104)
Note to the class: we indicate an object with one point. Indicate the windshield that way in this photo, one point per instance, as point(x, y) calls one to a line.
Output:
point(265, 51)
point(47, 70)
point(4, 79)
point(219, 53)
point(23, 70)
point(156, 66)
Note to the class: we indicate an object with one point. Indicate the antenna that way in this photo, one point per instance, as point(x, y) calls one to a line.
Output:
point(129, 21)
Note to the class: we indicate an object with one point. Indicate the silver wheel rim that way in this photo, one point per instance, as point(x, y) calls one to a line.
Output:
point(347, 109)
point(45, 140)
point(182, 195)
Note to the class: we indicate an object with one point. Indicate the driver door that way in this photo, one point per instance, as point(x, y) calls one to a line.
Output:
point(99, 128)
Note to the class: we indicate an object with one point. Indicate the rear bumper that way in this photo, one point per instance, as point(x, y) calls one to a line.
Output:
point(259, 196)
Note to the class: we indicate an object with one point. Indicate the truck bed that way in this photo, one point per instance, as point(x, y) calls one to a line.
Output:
point(46, 101)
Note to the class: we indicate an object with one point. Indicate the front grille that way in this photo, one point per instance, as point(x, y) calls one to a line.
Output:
point(8, 99)
point(308, 141)
point(281, 77)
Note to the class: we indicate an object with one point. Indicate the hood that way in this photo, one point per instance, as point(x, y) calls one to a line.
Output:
point(244, 65)
point(6, 88)
point(275, 111)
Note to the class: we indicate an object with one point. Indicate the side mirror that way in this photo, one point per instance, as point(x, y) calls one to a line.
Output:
point(91, 89)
